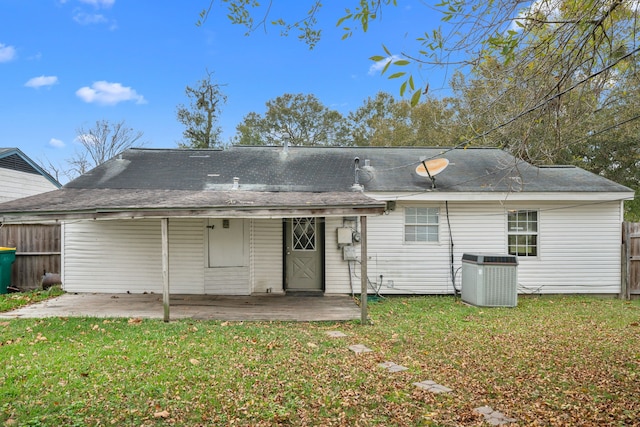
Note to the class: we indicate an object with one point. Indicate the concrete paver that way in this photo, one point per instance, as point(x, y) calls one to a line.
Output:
point(495, 418)
point(433, 387)
point(359, 348)
point(392, 367)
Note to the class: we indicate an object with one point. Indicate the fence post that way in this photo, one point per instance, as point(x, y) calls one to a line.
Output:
point(625, 270)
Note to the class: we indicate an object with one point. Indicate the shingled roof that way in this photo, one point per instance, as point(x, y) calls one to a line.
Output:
point(323, 169)
point(273, 180)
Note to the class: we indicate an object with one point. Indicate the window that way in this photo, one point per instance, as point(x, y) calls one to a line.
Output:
point(304, 234)
point(523, 233)
point(421, 224)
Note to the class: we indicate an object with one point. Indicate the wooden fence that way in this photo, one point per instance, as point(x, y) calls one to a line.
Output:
point(630, 260)
point(37, 252)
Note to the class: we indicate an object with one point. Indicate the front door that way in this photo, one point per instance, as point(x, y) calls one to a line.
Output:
point(304, 245)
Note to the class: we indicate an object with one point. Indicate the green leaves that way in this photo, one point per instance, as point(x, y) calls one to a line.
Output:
point(408, 85)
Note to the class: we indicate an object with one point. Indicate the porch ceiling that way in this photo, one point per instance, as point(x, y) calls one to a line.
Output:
point(71, 203)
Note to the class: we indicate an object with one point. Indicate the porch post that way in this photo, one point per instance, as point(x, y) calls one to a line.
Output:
point(363, 270)
point(165, 267)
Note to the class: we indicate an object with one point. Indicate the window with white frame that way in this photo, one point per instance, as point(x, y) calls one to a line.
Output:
point(421, 224)
point(522, 232)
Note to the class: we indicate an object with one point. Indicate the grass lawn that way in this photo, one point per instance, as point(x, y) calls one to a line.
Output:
point(17, 300)
point(550, 361)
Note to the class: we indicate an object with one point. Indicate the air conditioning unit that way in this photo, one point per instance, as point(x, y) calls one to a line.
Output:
point(490, 280)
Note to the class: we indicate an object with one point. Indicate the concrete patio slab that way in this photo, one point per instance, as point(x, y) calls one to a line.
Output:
point(202, 307)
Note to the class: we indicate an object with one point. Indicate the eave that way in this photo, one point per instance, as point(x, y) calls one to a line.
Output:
point(74, 204)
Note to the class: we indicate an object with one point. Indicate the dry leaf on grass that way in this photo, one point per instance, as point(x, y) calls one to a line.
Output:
point(161, 414)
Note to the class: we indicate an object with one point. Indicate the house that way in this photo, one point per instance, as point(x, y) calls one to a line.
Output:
point(21, 177)
point(38, 245)
point(249, 220)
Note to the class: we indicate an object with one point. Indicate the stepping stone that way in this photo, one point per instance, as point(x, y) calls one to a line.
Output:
point(336, 334)
point(433, 387)
point(392, 367)
point(359, 348)
point(495, 418)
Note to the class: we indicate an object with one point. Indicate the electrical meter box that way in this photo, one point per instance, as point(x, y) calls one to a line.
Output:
point(349, 253)
point(344, 236)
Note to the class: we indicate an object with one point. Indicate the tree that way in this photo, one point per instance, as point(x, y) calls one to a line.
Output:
point(576, 42)
point(200, 118)
point(595, 128)
point(385, 121)
point(302, 119)
point(100, 143)
point(381, 121)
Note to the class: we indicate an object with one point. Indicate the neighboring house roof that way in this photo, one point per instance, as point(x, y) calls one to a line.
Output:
point(275, 181)
point(15, 159)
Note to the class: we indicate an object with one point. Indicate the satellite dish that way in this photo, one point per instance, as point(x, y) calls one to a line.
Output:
point(430, 168)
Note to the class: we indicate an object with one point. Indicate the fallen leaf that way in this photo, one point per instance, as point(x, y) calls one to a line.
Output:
point(135, 321)
point(161, 414)
point(194, 361)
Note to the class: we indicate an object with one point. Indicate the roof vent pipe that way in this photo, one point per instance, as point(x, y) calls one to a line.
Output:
point(356, 178)
point(236, 183)
point(285, 142)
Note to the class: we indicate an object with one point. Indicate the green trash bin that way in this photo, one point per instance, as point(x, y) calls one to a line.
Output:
point(7, 257)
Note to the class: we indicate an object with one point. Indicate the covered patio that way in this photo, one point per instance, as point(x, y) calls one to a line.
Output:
point(200, 307)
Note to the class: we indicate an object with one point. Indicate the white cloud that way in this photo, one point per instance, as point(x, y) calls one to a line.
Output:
point(89, 18)
point(7, 53)
point(99, 3)
point(41, 81)
point(378, 66)
point(549, 8)
point(56, 143)
point(106, 93)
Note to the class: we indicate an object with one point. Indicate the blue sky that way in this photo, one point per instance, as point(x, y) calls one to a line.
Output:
point(64, 64)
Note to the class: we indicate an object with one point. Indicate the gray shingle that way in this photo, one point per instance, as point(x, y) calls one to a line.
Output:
point(332, 169)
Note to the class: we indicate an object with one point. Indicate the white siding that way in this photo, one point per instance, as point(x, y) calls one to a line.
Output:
point(579, 251)
point(186, 255)
point(113, 256)
point(227, 281)
point(126, 256)
point(411, 268)
point(16, 184)
point(335, 269)
point(579, 247)
point(266, 255)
